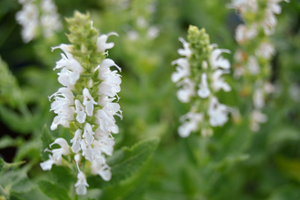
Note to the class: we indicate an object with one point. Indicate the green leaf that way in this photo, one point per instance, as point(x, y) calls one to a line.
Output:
point(30, 149)
point(126, 164)
point(46, 141)
point(14, 121)
point(63, 176)
point(7, 141)
point(53, 191)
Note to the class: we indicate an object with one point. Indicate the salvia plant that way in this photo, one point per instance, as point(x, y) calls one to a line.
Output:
point(100, 101)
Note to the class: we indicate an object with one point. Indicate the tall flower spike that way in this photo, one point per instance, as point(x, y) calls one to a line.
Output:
point(86, 105)
point(252, 59)
point(205, 59)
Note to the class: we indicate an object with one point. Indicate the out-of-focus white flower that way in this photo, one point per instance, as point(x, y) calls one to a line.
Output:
point(218, 82)
point(28, 19)
point(217, 113)
point(258, 99)
point(186, 50)
point(253, 66)
point(191, 125)
point(183, 69)
point(244, 33)
point(216, 60)
point(187, 90)
point(266, 50)
point(76, 141)
point(153, 32)
point(256, 118)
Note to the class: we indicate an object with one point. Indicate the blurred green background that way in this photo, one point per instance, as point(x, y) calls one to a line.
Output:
point(232, 164)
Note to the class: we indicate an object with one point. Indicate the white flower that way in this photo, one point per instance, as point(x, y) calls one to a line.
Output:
point(191, 125)
point(101, 42)
point(79, 109)
point(86, 150)
point(266, 50)
point(28, 19)
point(186, 50)
point(258, 99)
point(218, 82)
point(256, 118)
point(81, 184)
point(88, 102)
point(76, 141)
point(152, 32)
point(216, 60)
point(183, 69)
point(104, 143)
point(88, 134)
point(56, 157)
point(217, 113)
point(253, 65)
point(203, 91)
point(100, 167)
point(73, 66)
point(185, 93)
point(63, 118)
point(244, 33)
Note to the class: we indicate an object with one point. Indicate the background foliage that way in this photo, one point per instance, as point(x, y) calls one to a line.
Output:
point(232, 164)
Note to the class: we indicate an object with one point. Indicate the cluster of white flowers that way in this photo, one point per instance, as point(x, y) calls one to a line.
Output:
point(91, 111)
point(151, 31)
point(259, 16)
point(35, 14)
point(245, 33)
point(191, 89)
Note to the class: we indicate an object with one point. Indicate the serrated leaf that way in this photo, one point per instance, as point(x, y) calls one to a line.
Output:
point(125, 163)
point(46, 141)
point(63, 176)
point(53, 191)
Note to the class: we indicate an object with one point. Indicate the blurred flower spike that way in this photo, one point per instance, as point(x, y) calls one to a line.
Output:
point(199, 77)
point(86, 104)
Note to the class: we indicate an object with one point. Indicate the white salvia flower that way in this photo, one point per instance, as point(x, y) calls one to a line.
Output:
point(76, 141)
point(81, 184)
point(253, 66)
point(56, 154)
point(133, 35)
point(217, 113)
point(216, 60)
point(245, 5)
point(183, 69)
point(266, 50)
point(32, 16)
point(191, 125)
point(28, 19)
point(104, 142)
point(88, 102)
point(218, 82)
point(100, 167)
point(86, 150)
point(185, 93)
point(88, 134)
point(186, 50)
point(79, 109)
point(256, 118)
point(153, 32)
point(243, 33)
point(203, 91)
point(101, 42)
point(69, 63)
point(258, 99)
